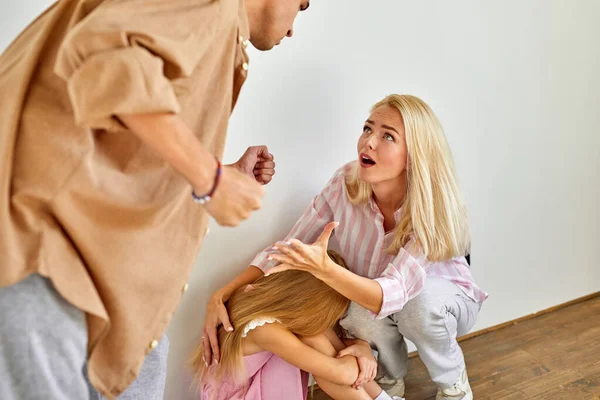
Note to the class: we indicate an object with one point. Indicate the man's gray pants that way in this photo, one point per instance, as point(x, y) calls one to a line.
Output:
point(43, 349)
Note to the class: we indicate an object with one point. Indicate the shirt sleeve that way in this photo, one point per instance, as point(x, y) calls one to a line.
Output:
point(402, 280)
point(122, 57)
point(310, 225)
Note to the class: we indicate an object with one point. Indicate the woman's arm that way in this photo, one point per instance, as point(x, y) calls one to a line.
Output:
point(402, 280)
point(364, 291)
point(314, 259)
point(278, 340)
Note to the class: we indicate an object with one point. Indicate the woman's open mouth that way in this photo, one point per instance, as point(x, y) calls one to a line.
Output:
point(366, 161)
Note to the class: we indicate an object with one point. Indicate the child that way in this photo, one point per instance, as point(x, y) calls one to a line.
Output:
point(283, 331)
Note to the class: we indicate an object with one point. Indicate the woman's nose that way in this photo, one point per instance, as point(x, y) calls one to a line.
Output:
point(371, 142)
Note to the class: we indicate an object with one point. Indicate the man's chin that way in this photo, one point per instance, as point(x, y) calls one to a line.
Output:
point(263, 46)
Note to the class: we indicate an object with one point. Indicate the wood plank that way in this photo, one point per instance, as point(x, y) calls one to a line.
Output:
point(553, 356)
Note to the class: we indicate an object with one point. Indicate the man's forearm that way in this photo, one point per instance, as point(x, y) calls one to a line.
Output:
point(173, 141)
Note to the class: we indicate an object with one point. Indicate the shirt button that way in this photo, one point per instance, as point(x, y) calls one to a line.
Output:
point(153, 344)
point(240, 39)
point(245, 43)
point(185, 287)
point(245, 66)
point(207, 232)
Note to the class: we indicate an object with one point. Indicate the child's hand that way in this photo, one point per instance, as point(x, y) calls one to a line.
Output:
point(367, 363)
point(216, 314)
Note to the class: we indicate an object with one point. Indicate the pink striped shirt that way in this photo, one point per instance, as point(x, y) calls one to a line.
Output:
point(362, 242)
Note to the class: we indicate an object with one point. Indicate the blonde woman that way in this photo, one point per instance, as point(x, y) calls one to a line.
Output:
point(284, 326)
point(403, 231)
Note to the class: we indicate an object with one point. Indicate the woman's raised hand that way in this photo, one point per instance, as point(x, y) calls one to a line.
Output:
point(296, 255)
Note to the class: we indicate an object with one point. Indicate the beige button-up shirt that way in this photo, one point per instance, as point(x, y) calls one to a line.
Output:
point(83, 201)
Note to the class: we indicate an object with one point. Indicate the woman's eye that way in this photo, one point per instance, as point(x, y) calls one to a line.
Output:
point(387, 136)
point(366, 129)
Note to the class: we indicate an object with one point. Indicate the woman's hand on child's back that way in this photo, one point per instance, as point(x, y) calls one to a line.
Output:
point(366, 361)
point(216, 314)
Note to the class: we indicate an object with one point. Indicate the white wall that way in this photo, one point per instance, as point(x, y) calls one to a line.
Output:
point(513, 83)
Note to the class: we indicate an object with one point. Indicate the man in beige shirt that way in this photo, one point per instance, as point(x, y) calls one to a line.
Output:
point(113, 113)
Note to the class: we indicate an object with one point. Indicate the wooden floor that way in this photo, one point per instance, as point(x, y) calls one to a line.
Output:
point(555, 356)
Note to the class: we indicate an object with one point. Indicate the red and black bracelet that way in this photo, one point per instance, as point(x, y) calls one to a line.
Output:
point(206, 198)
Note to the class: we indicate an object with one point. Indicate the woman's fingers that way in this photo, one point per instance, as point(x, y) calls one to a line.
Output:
point(297, 245)
point(292, 247)
point(280, 268)
point(287, 250)
point(282, 258)
point(327, 231)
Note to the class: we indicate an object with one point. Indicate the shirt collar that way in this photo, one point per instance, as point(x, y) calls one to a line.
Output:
point(376, 209)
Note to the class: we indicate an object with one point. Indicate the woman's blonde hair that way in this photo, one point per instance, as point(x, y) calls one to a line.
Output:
point(433, 210)
point(302, 303)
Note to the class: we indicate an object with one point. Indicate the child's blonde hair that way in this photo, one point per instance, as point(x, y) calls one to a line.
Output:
point(302, 303)
point(434, 212)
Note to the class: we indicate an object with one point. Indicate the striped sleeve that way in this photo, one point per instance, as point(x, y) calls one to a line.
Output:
point(401, 281)
point(310, 225)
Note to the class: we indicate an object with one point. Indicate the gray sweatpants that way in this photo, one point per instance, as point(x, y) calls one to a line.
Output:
point(43, 349)
point(432, 321)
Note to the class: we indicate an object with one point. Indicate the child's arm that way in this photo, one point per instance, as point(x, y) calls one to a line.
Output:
point(278, 340)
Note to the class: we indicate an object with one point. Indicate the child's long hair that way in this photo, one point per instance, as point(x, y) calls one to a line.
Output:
point(434, 212)
point(302, 303)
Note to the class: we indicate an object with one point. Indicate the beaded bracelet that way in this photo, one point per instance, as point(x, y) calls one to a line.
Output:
point(206, 198)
